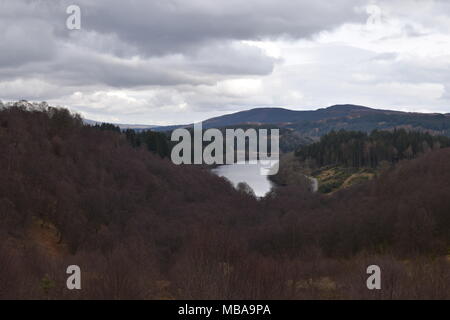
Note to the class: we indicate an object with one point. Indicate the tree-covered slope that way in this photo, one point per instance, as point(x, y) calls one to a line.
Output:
point(359, 149)
point(140, 227)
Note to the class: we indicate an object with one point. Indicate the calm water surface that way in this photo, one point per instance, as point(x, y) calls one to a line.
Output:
point(248, 173)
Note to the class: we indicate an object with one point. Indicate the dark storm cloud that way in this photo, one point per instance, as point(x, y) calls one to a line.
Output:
point(160, 27)
point(137, 43)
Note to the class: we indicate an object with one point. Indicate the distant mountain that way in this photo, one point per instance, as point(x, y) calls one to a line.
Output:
point(282, 116)
point(121, 125)
point(316, 123)
point(372, 119)
point(286, 116)
point(313, 124)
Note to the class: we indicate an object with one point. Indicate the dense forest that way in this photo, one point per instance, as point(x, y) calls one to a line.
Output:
point(436, 124)
point(142, 228)
point(160, 141)
point(359, 149)
point(157, 142)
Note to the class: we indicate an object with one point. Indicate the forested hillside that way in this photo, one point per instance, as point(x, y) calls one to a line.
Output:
point(141, 227)
point(316, 123)
point(156, 142)
point(359, 149)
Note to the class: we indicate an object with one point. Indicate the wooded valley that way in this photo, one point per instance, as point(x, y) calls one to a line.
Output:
point(141, 227)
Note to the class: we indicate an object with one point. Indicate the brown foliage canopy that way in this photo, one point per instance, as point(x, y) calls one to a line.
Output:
point(141, 227)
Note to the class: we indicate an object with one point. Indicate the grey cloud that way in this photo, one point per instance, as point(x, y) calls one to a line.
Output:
point(446, 96)
point(181, 52)
point(75, 66)
point(386, 56)
point(232, 59)
point(24, 44)
point(203, 36)
point(407, 71)
point(161, 27)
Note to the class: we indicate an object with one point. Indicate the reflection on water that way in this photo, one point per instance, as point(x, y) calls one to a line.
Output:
point(248, 173)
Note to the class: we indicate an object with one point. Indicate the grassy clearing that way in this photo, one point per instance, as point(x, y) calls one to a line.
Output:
point(334, 178)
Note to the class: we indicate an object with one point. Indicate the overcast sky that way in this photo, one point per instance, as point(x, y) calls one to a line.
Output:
point(179, 61)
